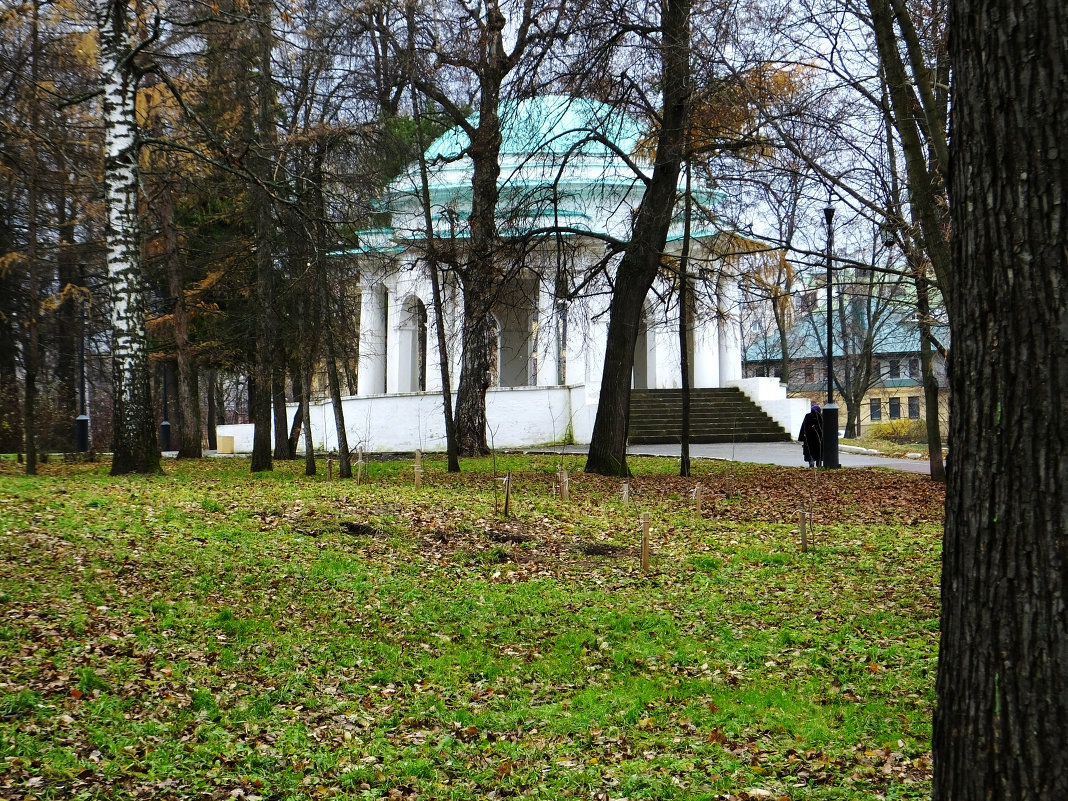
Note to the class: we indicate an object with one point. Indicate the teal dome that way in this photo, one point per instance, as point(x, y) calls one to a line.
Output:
point(550, 125)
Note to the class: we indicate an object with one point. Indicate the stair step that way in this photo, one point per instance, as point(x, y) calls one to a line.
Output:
point(716, 415)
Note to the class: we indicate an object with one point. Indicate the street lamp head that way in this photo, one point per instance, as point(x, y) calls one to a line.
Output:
point(828, 212)
point(887, 231)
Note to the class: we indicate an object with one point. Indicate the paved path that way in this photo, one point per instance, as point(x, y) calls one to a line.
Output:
point(780, 453)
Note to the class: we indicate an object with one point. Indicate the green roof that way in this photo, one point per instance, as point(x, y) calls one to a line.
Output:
point(549, 124)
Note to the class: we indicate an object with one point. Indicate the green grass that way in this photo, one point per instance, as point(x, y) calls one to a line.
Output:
point(213, 634)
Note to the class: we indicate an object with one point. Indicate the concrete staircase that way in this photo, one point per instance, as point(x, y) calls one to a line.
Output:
point(716, 415)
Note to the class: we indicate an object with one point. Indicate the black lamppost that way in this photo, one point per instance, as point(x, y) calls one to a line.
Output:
point(165, 426)
point(830, 409)
point(81, 424)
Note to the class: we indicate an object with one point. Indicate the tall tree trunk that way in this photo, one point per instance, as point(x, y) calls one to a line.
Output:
point(451, 448)
point(190, 437)
point(260, 160)
point(135, 447)
point(921, 128)
point(67, 316)
point(306, 363)
point(213, 442)
point(685, 326)
point(1003, 661)
point(480, 278)
point(296, 376)
point(278, 406)
point(641, 260)
point(332, 378)
point(31, 343)
point(474, 365)
point(930, 380)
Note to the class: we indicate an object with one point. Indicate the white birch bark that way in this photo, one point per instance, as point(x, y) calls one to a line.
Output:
point(135, 447)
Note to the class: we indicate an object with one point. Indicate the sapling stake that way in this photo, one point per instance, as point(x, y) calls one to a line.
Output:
point(804, 530)
point(645, 542)
point(626, 492)
point(330, 469)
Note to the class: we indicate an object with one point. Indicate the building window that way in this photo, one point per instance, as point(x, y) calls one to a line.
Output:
point(895, 408)
point(914, 407)
point(894, 370)
point(914, 368)
point(810, 373)
point(876, 409)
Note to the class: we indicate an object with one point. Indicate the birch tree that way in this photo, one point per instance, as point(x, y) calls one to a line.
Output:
point(135, 447)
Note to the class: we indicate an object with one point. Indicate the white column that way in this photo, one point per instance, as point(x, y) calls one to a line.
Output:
point(730, 335)
point(706, 352)
point(372, 375)
point(546, 346)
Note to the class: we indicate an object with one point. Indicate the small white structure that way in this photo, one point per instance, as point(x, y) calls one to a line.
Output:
point(569, 184)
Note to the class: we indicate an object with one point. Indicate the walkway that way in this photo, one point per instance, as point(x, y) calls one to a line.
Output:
point(779, 453)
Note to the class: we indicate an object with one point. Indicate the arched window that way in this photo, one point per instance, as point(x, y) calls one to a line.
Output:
point(413, 346)
point(644, 373)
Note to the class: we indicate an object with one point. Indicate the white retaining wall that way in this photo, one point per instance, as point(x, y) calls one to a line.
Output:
point(517, 417)
point(770, 395)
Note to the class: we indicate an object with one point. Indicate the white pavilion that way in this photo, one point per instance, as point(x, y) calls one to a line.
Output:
point(569, 182)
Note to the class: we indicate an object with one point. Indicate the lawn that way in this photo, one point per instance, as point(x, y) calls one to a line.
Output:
point(209, 634)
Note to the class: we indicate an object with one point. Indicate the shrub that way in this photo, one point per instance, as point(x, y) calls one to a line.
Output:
point(903, 430)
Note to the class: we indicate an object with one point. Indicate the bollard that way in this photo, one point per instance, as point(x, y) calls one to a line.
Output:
point(561, 476)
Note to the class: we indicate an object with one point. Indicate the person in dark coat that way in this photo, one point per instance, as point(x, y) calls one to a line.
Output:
point(811, 437)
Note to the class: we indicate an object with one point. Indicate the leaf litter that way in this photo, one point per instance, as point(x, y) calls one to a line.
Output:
point(207, 635)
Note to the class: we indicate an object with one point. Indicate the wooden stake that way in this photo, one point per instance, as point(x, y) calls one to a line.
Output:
point(561, 475)
point(697, 498)
point(626, 492)
point(507, 493)
point(330, 469)
point(418, 476)
point(804, 530)
point(645, 542)
point(359, 465)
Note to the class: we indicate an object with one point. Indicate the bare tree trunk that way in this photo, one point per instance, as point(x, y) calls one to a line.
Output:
point(921, 127)
point(930, 380)
point(260, 155)
point(296, 376)
point(333, 380)
point(641, 260)
point(479, 277)
point(67, 317)
point(189, 431)
point(278, 407)
point(451, 447)
point(213, 414)
point(31, 344)
point(135, 447)
point(685, 326)
point(1003, 658)
point(474, 366)
point(305, 408)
